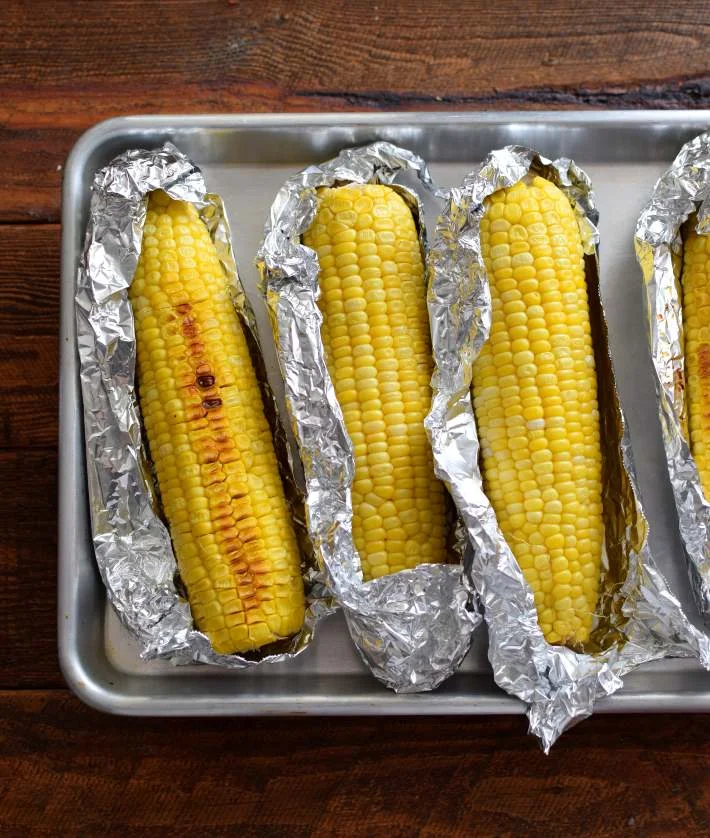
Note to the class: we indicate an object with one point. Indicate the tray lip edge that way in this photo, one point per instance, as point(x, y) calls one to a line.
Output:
point(117, 125)
point(83, 685)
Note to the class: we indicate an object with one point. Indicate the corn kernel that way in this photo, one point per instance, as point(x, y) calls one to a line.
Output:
point(534, 396)
point(386, 398)
point(193, 369)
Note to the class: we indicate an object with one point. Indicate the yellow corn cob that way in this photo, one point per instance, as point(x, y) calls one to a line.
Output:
point(535, 400)
point(376, 338)
point(210, 440)
point(695, 281)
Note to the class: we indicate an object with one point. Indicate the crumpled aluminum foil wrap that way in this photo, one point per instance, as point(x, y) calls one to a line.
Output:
point(412, 628)
point(683, 189)
point(640, 619)
point(132, 544)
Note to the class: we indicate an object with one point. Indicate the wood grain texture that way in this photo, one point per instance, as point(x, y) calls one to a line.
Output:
point(65, 769)
point(68, 766)
point(29, 320)
point(29, 323)
point(28, 561)
point(211, 56)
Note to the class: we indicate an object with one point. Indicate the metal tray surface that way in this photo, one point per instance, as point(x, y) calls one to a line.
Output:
point(245, 159)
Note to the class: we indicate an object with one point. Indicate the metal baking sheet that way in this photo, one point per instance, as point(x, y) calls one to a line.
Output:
point(246, 158)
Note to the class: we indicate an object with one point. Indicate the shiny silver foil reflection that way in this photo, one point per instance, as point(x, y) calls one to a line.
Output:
point(132, 545)
point(640, 618)
point(683, 189)
point(412, 628)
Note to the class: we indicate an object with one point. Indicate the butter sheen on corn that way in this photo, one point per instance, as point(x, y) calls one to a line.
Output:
point(376, 337)
point(535, 400)
point(209, 439)
point(695, 281)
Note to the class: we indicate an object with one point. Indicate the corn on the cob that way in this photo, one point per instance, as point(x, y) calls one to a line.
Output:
point(535, 401)
point(209, 439)
point(695, 281)
point(376, 337)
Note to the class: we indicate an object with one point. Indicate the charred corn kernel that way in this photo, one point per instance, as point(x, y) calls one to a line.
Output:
point(695, 281)
point(535, 401)
point(210, 440)
point(379, 357)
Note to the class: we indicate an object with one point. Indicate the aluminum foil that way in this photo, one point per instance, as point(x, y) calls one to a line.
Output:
point(639, 618)
point(680, 191)
point(132, 545)
point(412, 628)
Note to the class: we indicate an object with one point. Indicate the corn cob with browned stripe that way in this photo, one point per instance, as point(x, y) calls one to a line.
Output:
point(209, 439)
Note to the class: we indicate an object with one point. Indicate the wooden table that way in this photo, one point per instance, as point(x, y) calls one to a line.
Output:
point(68, 769)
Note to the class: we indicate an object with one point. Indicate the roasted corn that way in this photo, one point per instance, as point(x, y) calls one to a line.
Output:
point(376, 337)
point(209, 439)
point(695, 281)
point(535, 402)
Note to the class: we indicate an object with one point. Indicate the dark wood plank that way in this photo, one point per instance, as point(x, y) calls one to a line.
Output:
point(28, 391)
point(29, 317)
point(76, 770)
point(65, 768)
point(29, 323)
point(29, 280)
point(211, 56)
point(28, 569)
